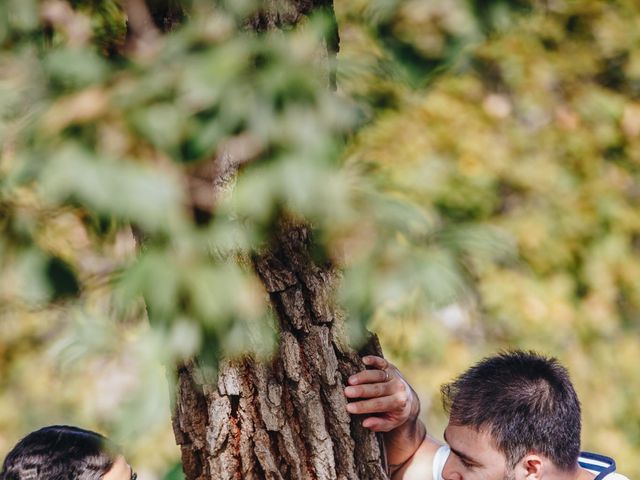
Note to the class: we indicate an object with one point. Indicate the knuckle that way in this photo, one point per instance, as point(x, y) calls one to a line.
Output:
point(400, 401)
point(398, 386)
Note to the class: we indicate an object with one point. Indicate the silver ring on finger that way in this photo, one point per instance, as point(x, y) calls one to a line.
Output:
point(386, 376)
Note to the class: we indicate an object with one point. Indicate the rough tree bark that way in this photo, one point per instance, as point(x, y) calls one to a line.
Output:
point(285, 419)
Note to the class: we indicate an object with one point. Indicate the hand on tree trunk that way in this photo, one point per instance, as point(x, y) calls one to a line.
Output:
point(390, 405)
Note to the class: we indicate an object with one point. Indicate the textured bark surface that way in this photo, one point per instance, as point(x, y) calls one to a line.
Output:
point(285, 419)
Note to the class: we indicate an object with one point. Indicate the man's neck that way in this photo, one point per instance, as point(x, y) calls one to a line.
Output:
point(583, 474)
point(578, 473)
point(586, 475)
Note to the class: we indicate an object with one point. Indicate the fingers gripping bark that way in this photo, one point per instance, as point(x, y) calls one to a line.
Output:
point(382, 393)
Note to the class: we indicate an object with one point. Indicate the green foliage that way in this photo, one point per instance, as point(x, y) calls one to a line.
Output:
point(119, 140)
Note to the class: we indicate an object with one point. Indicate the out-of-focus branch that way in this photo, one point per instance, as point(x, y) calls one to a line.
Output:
point(212, 180)
point(143, 37)
point(60, 15)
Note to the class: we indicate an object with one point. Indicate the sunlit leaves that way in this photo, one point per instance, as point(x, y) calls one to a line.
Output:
point(409, 43)
point(120, 138)
point(122, 189)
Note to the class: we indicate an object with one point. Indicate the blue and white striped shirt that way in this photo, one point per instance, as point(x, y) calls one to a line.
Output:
point(602, 467)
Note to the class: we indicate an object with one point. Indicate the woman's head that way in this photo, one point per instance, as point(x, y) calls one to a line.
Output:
point(61, 453)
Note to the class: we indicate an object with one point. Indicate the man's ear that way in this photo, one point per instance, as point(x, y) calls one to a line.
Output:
point(530, 467)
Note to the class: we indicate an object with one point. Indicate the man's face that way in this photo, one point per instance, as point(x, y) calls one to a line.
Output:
point(473, 456)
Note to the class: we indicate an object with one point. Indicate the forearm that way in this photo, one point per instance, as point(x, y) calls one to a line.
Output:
point(382, 392)
point(402, 442)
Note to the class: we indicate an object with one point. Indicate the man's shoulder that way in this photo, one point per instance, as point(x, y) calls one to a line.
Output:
point(425, 462)
point(602, 466)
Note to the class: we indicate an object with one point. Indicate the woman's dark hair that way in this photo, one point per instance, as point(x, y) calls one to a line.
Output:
point(526, 402)
point(60, 453)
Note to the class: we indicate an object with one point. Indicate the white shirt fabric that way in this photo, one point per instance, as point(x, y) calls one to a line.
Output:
point(602, 467)
point(439, 459)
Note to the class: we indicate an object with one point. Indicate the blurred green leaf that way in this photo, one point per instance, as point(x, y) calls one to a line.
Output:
point(174, 473)
point(19, 14)
point(121, 188)
point(75, 68)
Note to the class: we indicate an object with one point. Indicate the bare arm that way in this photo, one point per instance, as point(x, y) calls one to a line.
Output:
point(383, 392)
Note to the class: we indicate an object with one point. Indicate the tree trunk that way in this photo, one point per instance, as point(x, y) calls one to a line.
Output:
point(285, 419)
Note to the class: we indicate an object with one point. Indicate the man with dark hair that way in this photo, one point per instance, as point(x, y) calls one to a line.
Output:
point(65, 453)
point(513, 416)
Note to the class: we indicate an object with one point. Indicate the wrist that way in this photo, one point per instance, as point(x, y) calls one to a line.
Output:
point(402, 444)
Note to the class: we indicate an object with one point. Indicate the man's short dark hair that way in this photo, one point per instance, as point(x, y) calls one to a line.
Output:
point(526, 402)
point(59, 453)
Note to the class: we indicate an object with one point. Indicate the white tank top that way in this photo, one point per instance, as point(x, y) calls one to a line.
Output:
point(439, 459)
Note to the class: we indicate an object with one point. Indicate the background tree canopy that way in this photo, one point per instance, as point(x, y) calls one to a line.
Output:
point(475, 174)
